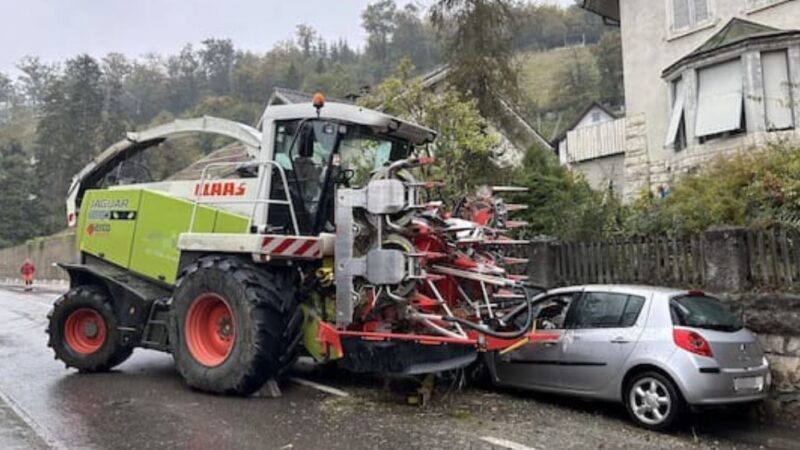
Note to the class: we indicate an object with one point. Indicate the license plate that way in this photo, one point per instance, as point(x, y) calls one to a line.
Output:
point(748, 384)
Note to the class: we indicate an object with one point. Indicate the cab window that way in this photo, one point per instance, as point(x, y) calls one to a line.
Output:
point(363, 152)
point(305, 155)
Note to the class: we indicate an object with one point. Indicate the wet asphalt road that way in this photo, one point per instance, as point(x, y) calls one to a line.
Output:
point(144, 404)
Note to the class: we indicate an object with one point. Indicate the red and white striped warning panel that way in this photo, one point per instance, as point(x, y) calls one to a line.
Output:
point(291, 247)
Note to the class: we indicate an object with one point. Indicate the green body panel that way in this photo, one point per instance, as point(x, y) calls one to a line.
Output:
point(105, 229)
point(138, 229)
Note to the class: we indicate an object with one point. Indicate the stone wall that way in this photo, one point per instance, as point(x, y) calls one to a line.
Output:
point(44, 252)
point(637, 162)
point(776, 320)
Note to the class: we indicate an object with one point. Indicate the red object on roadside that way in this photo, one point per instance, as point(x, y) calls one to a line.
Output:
point(27, 270)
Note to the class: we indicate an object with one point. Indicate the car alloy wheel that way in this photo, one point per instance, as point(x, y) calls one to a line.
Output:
point(650, 401)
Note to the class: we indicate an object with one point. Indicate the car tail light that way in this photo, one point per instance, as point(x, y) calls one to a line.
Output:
point(691, 341)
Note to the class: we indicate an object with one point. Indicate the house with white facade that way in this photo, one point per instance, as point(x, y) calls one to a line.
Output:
point(594, 145)
point(703, 79)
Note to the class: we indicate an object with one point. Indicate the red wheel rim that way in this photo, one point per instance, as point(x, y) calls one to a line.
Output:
point(85, 331)
point(210, 330)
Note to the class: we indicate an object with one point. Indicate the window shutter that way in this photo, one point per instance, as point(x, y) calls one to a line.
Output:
point(700, 10)
point(680, 14)
point(678, 102)
point(719, 98)
point(777, 95)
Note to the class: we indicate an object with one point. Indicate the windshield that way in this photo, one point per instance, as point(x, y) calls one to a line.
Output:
point(364, 152)
point(701, 311)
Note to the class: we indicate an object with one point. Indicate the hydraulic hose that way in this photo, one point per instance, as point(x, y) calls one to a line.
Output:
point(498, 334)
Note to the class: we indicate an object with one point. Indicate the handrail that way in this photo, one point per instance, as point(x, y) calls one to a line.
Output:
point(258, 200)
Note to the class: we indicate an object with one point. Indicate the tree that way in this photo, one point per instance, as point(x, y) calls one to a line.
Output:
point(561, 203)
point(378, 21)
point(115, 121)
point(184, 78)
point(477, 36)
point(577, 83)
point(146, 89)
point(21, 215)
point(217, 58)
point(463, 148)
point(292, 79)
point(8, 99)
point(306, 37)
point(35, 79)
point(608, 59)
point(413, 38)
point(66, 134)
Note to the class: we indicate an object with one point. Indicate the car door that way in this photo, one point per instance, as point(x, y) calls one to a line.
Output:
point(602, 330)
point(536, 364)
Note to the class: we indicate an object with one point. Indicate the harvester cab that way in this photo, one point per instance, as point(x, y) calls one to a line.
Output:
point(323, 241)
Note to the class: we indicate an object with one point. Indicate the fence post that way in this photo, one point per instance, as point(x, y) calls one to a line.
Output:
point(542, 265)
point(725, 251)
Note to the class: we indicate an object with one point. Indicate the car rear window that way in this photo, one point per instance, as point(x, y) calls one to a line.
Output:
point(702, 311)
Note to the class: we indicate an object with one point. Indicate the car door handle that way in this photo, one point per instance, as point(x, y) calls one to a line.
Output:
point(620, 340)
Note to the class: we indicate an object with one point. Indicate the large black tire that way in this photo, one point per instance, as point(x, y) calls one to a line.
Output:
point(266, 320)
point(96, 354)
point(664, 396)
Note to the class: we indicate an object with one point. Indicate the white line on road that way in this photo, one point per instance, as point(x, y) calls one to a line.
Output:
point(319, 387)
point(511, 445)
point(38, 429)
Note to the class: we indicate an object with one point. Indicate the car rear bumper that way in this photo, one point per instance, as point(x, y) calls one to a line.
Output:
point(714, 385)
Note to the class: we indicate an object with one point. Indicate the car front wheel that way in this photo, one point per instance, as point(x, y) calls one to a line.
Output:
point(653, 401)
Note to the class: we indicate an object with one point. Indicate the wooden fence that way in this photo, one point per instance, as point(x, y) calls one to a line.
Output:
point(767, 258)
point(773, 256)
point(647, 260)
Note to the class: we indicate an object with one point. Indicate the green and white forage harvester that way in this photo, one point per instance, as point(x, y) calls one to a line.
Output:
point(320, 243)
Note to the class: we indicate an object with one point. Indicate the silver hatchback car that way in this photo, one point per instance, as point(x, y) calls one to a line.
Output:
point(657, 350)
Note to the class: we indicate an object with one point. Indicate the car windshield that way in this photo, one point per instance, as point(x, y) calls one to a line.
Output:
point(702, 311)
point(363, 152)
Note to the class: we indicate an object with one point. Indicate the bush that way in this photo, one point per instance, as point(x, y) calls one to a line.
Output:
point(757, 189)
point(561, 203)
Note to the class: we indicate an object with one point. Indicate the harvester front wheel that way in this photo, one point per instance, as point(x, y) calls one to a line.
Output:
point(83, 331)
point(233, 325)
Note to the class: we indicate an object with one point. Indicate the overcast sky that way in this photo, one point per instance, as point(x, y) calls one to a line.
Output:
point(58, 29)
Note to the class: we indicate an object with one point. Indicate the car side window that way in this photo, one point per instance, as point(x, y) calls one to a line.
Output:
point(550, 313)
point(607, 310)
point(632, 310)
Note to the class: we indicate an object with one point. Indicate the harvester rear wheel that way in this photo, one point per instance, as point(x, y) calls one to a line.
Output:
point(234, 325)
point(83, 331)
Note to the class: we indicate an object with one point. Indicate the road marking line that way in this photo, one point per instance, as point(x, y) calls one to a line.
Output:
point(319, 387)
point(37, 428)
point(506, 443)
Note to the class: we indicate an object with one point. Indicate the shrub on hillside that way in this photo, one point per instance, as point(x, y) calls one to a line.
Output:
point(759, 188)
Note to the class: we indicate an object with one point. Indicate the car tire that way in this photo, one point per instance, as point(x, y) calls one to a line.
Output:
point(653, 401)
point(234, 325)
point(83, 331)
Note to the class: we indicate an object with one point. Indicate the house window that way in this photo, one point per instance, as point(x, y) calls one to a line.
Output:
point(777, 92)
point(688, 14)
point(676, 133)
point(720, 101)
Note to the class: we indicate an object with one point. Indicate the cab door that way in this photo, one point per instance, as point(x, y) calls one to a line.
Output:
point(537, 364)
point(602, 331)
